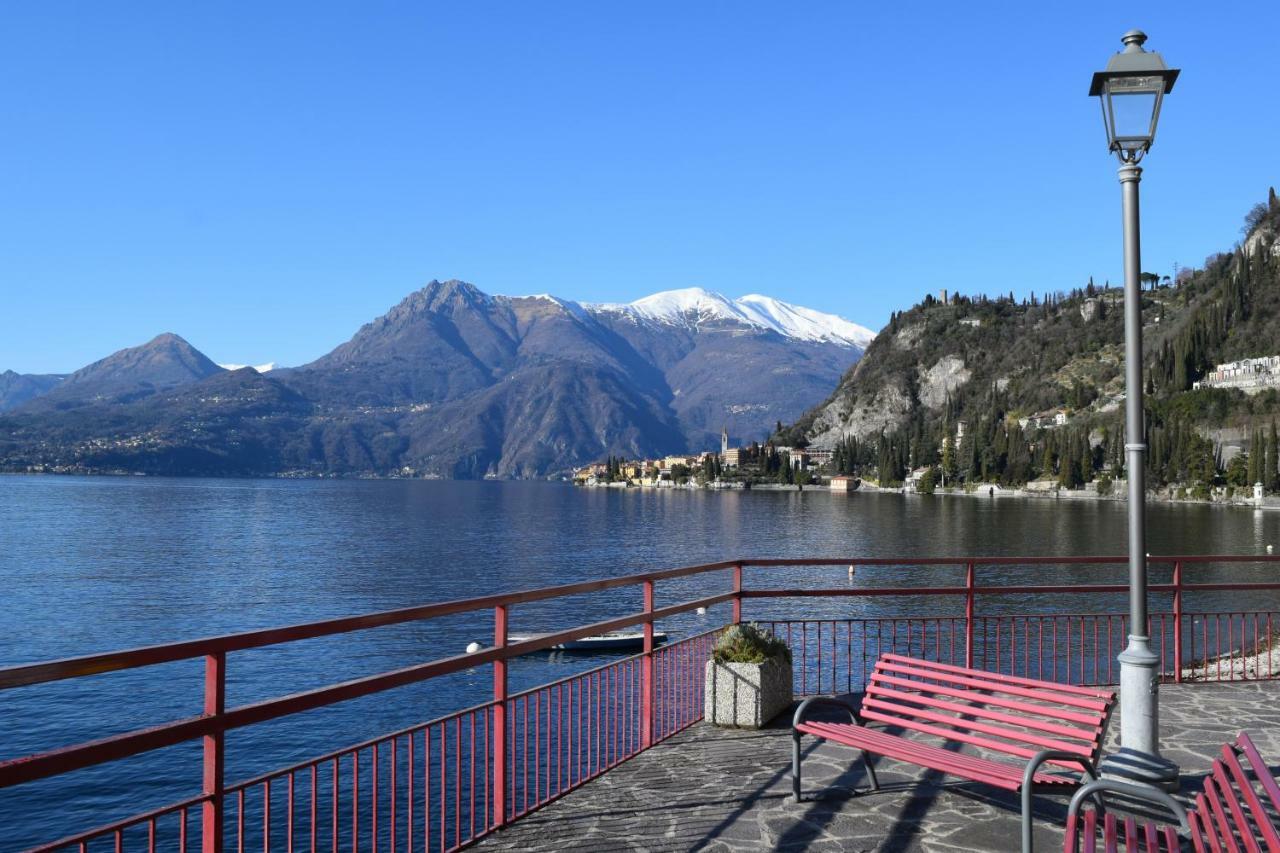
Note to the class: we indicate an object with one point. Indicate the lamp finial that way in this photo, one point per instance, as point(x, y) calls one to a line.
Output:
point(1133, 41)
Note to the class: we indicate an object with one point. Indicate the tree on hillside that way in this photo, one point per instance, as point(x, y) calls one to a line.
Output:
point(1255, 216)
point(950, 471)
point(1271, 478)
point(1255, 457)
point(1238, 470)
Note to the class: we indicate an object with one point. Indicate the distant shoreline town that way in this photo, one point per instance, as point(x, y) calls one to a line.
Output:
point(773, 467)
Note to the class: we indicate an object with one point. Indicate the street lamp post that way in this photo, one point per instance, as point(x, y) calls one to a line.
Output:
point(1131, 90)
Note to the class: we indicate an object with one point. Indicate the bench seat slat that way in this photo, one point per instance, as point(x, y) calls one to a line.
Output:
point(1260, 816)
point(1096, 692)
point(1207, 827)
point(1091, 719)
point(1260, 769)
point(1218, 813)
point(1087, 703)
point(906, 712)
point(1020, 752)
point(1006, 776)
point(1130, 833)
point(1237, 818)
point(1087, 733)
point(1082, 834)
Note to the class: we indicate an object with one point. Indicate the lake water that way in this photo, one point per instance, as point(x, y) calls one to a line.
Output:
point(95, 564)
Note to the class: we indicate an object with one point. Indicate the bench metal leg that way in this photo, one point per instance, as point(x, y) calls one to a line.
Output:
point(795, 767)
point(871, 771)
point(1027, 794)
point(795, 764)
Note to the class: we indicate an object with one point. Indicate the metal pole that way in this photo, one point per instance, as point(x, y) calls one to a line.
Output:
point(969, 582)
point(1177, 622)
point(737, 597)
point(646, 673)
point(1138, 759)
point(215, 704)
point(500, 752)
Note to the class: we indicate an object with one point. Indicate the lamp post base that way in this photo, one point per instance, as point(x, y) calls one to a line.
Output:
point(1138, 760)
point(1141, 768)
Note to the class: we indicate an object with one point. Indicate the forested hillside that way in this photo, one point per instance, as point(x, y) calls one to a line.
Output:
point(1000, 390)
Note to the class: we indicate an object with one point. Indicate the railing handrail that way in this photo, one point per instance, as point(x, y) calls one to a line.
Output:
point(41, 672)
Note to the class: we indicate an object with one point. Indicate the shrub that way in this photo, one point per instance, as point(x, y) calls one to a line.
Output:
point(748, 643)
point(1105, 485)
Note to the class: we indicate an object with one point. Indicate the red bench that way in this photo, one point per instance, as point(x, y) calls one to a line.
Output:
point(1028, 731)
point(1232, 813)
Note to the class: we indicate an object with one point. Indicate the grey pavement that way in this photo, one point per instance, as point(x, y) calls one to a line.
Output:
point(729, 790)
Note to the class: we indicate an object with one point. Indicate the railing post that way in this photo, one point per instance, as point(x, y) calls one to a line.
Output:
point(500, 718)
point(215, 703)
point(968, 615)
point(1177, 622)
point(737, 594)
point(646, 673)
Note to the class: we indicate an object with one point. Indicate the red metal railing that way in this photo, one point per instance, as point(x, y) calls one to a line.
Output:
point(442, 784)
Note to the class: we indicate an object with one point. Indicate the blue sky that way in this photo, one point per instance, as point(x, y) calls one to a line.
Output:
point(262, 178)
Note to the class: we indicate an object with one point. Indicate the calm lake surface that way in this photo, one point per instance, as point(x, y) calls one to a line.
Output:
point(96, 564)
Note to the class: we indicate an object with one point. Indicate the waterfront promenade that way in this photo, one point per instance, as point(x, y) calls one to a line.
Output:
point(730, 790)
point(616, 756)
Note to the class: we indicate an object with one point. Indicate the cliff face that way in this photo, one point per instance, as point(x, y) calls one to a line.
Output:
point(938, 361)
point(998, 365)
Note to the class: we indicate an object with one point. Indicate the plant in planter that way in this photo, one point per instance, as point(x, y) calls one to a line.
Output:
point(748, 679)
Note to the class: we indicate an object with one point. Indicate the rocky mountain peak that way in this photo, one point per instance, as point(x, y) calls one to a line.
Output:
point(164, 361)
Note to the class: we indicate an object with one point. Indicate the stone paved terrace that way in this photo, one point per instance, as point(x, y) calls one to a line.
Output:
point(720, 790)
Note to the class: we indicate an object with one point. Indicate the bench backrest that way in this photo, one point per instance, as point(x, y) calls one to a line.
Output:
point(1001, 713)
point(1237, 809)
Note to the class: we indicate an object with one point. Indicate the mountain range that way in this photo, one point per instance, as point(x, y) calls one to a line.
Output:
point(451, 382)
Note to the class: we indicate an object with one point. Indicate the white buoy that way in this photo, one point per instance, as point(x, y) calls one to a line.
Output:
point(1270, 548)
point(850, 570)
point(701, 611)
point(473, 647)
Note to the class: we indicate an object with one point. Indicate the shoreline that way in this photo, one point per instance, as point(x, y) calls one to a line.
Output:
point(1120, 495)
point(1270, 503)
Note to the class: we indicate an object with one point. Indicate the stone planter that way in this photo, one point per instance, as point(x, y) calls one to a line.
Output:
point(746, 695)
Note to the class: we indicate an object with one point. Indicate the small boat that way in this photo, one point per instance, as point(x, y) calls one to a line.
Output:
point(613, 641)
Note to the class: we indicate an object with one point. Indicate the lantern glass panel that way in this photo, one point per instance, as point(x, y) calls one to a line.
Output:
point(1131, 104)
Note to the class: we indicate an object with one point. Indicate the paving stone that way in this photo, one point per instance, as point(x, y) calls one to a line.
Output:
point(710, 789)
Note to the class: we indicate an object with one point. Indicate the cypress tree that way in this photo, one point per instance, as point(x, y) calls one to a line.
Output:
point(1268, 462)
point(1066, 468)
point(1272, 479)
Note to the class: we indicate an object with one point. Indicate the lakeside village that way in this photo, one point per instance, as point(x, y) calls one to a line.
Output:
point(1044, 454)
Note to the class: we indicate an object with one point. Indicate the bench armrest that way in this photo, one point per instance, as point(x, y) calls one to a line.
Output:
point(1141, 793)
point(829, 701)
point(1044, 755)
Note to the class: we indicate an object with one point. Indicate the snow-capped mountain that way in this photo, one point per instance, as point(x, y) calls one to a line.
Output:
point(454, 382)
point(261, 368)
point(693, 307)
